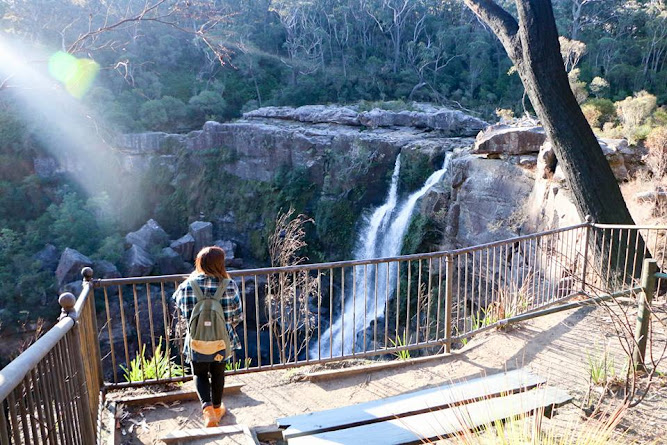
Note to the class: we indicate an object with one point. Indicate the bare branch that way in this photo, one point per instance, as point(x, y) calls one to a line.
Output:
point(500, 21)
point(76, 45)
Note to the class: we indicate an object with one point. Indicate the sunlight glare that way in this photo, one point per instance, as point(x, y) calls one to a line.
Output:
point(77, 75)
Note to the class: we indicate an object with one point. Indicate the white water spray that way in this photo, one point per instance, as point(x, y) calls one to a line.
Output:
point(381, 237)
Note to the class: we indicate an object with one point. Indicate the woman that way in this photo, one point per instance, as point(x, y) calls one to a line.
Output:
point(211, 276)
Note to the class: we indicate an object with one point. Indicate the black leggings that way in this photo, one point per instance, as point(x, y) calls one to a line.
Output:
point(210, 381)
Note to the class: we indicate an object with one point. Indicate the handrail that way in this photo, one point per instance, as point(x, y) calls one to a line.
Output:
point(339, 264)
point(81, 301)
point(516, 239)
point(12, 374)
point(627, 226)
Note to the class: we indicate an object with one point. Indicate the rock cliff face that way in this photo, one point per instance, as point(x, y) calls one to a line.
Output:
point(509, 183)
point(347, 155)
point(322, 139)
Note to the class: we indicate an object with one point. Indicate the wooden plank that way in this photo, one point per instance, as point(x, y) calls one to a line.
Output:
point(171, 396)
point(201, 433)
point(409, 403)
point(111, 418)
point(381, 366)
point(440, 423)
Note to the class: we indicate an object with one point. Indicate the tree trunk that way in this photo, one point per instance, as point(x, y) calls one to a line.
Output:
point(532, 44)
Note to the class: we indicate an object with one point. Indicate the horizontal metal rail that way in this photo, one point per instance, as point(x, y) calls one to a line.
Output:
point(626, 226)
point(12, 374)
point(51, 392)
point(336, 264)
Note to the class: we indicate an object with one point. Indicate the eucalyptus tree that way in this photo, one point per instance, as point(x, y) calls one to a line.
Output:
point(392, 17)
point(531, 42)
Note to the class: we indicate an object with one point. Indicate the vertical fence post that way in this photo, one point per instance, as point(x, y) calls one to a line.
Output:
point(88, 337)
point(587, 241)
point(87, 417)
point(449, 294)
point(648, 284)
point(4, 425)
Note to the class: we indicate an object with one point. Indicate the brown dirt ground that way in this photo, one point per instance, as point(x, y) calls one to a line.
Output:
point(556, 347)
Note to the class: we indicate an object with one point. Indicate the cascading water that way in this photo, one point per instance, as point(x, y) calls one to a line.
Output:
point(381, 237)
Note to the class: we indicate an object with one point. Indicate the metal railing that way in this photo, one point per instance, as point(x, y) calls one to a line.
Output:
point(381, 307)
point(316, 313)
point(51, 392)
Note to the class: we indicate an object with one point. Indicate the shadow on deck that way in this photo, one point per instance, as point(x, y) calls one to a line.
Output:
point(556, 347)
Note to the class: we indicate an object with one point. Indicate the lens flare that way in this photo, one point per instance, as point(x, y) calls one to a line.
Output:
point(77, 75)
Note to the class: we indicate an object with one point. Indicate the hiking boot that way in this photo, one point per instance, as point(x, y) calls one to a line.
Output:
point(220, 411)
point(210, 418)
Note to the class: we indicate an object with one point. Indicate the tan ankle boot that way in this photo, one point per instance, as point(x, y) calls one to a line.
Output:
point(220, 411)
point(210, 418)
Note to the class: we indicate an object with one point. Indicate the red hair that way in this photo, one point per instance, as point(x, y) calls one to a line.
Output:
point(211, 261)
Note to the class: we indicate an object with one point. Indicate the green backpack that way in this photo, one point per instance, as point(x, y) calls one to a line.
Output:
point(208, 337)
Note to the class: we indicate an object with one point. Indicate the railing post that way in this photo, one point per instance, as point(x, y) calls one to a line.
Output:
point(66, 300)
point(87, 416)
point(90, 345)
point(4, 427)
point(648, 283)
point(449, 294)
point(589, 224)
point(78, 380)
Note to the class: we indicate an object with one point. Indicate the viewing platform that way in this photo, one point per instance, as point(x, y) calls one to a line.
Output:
point(440, 318)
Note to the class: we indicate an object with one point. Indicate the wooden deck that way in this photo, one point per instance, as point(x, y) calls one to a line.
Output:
point(427, 414)
point(555, 347)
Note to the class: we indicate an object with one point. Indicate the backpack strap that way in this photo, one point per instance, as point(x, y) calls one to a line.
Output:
point(197, 290)
point(218, 292)
point(221, 289)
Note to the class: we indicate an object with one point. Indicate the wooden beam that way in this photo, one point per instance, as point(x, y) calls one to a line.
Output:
point(201, 433)
point(171, 396)
point(111, 418)
point(440, 423)
point(409, 403)
point(380, 366)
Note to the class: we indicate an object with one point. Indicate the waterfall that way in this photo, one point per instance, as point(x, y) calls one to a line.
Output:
point(381, 237)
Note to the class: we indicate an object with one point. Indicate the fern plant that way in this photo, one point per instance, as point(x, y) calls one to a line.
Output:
point(160, 366)
point(399, 342)
point(235, 366)
point(601, 366)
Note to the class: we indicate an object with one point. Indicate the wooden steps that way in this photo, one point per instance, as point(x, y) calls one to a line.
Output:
point(426, 414)
point(171, 396)
point(190, 434)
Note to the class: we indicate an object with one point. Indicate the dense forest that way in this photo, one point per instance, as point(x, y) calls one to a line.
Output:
point(171, 65)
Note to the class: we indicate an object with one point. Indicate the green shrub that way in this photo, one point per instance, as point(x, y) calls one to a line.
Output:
point(111, 249)
point(390, 105)
point(160, 366)
point(604, 108)
point(239, 364)
point(207, 106)
point(335, 220)
point(399, 343)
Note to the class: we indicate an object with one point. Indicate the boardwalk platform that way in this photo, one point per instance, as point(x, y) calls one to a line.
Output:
point(427, 414)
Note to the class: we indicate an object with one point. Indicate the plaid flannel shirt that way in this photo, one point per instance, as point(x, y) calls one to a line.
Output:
point(230, 301)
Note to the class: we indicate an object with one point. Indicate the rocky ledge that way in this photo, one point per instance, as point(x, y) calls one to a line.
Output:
point(422, 116)
point(527, 146)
